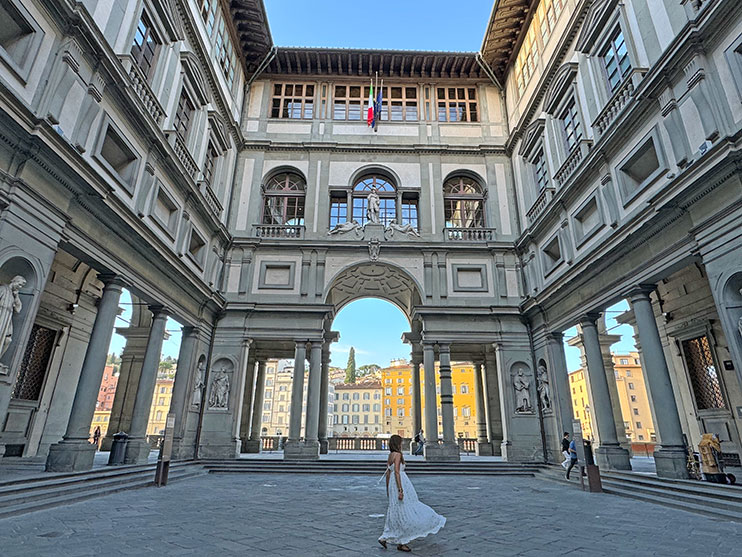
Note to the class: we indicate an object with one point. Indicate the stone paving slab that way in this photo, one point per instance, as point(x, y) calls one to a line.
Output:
point(299, 515)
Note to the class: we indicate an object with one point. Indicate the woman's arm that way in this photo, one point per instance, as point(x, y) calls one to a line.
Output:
point(397, 477)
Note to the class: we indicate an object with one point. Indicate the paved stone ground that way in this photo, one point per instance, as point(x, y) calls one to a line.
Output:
point(307, 515)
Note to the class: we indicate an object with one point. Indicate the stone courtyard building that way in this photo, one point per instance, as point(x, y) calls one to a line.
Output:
point(587, 154)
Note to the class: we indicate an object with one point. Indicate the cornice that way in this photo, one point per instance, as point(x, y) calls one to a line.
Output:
point(333, 147)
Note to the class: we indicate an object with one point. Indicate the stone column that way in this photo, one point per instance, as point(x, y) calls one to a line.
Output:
point(75, 453)
point(431, 403)
point(484, 446)
point(324, 393)
point(669, 454)
point(560, 382)
point(254, 442)
point(138, 449)
point(449, 449)
point(293, 449)
point(416, 395)
point(181, 394)
point(247, 401)
point(505, 410)
point(313, 397)
point(606, 341)
point(492, 406)
point(610, 454)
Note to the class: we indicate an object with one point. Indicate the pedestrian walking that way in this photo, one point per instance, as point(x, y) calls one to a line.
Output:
point(572, 457)
point(420, 440)
point(565, 450)
point(407, 518)
point(96, 436)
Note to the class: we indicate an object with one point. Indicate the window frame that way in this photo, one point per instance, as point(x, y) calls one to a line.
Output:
point(459, 197)
point(608, 46)
point(284, 98)
point(22, 64)
point(285, 194)
point(448, 103)
point(139, 58)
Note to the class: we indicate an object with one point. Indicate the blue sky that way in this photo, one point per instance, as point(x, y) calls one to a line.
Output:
point(382, 24)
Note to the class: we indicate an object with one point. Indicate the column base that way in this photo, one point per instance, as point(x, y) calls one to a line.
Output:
point(324, 445)
point(182, 450)
point(526, 450)
point(485, 449)
point(252, 446)
point(301, 450)
point(137, 451)
point(230, 449)
point(441, 452)
point(671, 462)
point(612, 457)
point(70, 456)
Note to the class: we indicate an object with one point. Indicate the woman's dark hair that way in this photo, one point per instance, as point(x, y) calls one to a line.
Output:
point(395, 444)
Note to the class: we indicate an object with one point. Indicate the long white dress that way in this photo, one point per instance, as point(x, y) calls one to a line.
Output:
point(408, 519)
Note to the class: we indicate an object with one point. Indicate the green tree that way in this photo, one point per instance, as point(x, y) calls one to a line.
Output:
point(368, 369)
point(350, 368)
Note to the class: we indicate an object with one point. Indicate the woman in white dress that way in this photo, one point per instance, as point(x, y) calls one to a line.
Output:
point(407, 518)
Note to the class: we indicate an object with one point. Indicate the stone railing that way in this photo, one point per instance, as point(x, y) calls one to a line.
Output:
point(183, 154)
point(290, 231)
point(142, 90)
point(469, 234)
point(540, 204)
point(211, 199)
point(618, 101)
point(467, 444)
point(573, 160)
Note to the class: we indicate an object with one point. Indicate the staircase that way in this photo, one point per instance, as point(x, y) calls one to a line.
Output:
point(24, 495)
point(714, 500)
point(370, 467)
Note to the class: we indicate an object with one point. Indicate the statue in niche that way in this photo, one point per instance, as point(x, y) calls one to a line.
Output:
point(343, 227)
point(374, 207)
point(401, 228)
point(219, 397)
point(10, 304)
point(522, 386)
point(198, 386)
point(544, 394)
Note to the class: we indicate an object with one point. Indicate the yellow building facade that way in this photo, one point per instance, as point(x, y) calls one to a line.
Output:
point(396, 382)
point(632, 394)
point(160, 406)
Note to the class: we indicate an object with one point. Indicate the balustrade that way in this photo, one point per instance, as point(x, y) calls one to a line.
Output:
point(572, 161)
point(540, 204)
point(183, 154)
point(618, 101)
point(142, 90)
point(469, 234)
point(278, 231)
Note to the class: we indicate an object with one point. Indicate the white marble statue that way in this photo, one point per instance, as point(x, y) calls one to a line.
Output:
point(544, 392)
point(198, 385)
point(343, 227)
point(401, 228)
point(219, 397)
point(522, 386)
point(10, 304)
point(374, 206)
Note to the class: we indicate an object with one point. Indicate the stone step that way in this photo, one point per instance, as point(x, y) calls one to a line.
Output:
point(698, 505)
point(59, 477)
point(379, 472)
point(64, 496)
point(732, 494)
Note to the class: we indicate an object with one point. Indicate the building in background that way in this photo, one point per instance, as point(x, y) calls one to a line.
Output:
point(160, 405)
point(632, 395)
point(358, 410)
point(398, 400)
point(103, 405)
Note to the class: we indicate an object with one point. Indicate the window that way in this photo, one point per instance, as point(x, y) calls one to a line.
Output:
point(398, 103)
point(463, 203)
point(457, 104)
point(208, 13)
point(636, 411)
point(464, 389)
point(291, 100)
point(346, 396)
point(400, 412)
point(387, 412)
point(387, 199)
point(284, 200)
point(525, 63)
point(377, 407)
point(355, 408)
point(388, 401)
point(466, 411)
point(266, 406)
point(631, 386)
point(162, 389)
point(225, 53)
point(703, 375)
point(633, 398)
point(542, 173)
point(400, 390)
point(269, 394)
point(197, 247)
point(158, 415)
point(453, 389)
point(377, 396)
point(638, 425)
point(347, 103)
point(400, 401)
point(641, 438)
point(145, 47)
point(571, 125)
point(624, 361)
point(366, 408)
point(118, 156)
point(366, 396)
point(345, 418)
point(616, 60)
point(356, 396)
point(552, 254)
point(400, 380)
point(210, 163)
point(628, 373)
point(183, 115)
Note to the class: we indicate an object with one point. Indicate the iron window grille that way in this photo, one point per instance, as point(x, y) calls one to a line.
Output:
point(704, 376)
point(35, 363)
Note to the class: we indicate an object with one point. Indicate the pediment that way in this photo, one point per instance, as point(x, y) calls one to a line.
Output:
point(195, 76)
point(165, 12)
point(218, 130)
point(534, 133)
point(595, 22)
point(561, 83)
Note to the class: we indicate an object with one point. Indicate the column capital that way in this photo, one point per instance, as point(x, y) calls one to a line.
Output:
point(158, 311)
point(555, 336)
point(111, 280)
point(589, 319)
point(445, 348)
point(641, 292)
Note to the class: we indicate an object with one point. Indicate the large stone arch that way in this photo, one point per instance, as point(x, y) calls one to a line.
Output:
point(374, 279)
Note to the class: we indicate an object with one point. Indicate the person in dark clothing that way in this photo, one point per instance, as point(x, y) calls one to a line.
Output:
point(572, 457)
point(565, 450)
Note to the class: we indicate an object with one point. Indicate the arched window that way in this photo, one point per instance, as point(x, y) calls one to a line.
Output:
point(284, 199)
point(463, 203)
point(387, 199)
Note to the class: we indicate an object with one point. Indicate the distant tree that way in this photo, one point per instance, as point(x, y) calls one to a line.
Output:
point(368, 369)
point(350, 368)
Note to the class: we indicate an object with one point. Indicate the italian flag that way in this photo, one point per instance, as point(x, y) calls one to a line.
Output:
point(370, 115)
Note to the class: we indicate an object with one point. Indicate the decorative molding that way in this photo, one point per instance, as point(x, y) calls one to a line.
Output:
point(595, 23)
point(532, 136)
point(563, 80)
